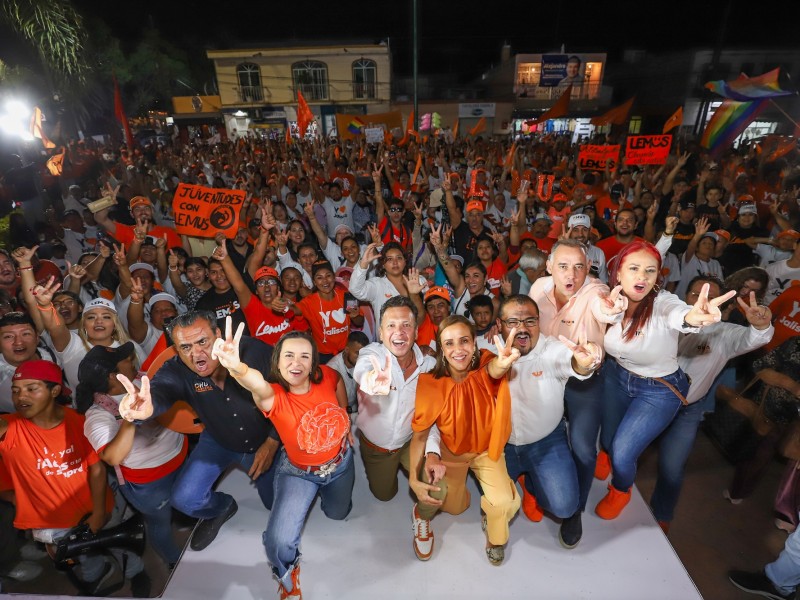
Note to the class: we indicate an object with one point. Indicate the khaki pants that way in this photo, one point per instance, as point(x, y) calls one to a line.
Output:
point(500, 501)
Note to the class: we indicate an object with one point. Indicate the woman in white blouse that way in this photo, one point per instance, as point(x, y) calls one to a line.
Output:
point(644, 385)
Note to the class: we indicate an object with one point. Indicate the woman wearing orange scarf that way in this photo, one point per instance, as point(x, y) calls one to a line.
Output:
point(466, 396)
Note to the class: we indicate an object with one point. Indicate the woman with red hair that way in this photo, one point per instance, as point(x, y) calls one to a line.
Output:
point(644, 385)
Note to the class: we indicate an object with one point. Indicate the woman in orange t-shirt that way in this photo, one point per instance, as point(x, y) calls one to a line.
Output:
point(307, 403)
point(466, 396)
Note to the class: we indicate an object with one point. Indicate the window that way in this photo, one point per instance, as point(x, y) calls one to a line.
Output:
point(311, 78)
point(528, 73)
point(365, 76)
point(249, 77)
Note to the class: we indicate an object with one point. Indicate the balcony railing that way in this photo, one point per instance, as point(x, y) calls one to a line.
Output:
point(251, 93)
point(364, 91)
point(586, 91)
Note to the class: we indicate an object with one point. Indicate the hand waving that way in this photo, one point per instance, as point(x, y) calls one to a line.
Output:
point(412, 281)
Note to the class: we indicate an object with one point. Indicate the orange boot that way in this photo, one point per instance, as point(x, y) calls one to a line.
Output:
point(611, 506)
point(529, 505)
point(602, 468)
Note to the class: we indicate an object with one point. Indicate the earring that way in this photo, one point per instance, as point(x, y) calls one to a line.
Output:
point(475, 360)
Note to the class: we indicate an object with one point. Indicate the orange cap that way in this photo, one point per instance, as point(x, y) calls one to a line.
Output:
point(139, 201)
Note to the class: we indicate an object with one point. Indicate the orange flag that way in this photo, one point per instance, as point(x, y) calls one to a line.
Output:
point(55, 164)
point(288, 137)
point(510, 156)
point(37, 130)
point(119, 113)
point(304, 115)
point(674, 121)
point(616, 116)
point(409, 130)
point(559, 109)
point(417, 168)
point(455, 130)
point(480, 126)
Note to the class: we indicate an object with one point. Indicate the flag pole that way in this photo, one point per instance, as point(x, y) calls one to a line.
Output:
point(785, 114)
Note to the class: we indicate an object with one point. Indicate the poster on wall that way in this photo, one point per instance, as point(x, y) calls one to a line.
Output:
point(561, 70)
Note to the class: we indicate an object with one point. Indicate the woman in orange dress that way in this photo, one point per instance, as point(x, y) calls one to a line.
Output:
point(466, 396)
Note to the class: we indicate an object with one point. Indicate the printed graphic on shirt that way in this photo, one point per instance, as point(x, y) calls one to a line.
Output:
point(322, 428)
point(338, 316)
point(59, 463)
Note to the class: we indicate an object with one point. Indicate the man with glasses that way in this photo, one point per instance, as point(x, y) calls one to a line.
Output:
point(236, 432)
point(568, 304)
point(538, 448)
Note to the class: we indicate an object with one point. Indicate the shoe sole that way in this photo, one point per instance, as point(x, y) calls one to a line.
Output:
point(758, 592)
point(228, 518)
point(565, 544)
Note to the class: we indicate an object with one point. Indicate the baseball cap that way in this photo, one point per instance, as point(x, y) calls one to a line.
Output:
point(162, 296)
point(721, 233)
point(474, 205)
point(458, 258)
point(559, 197)
point(99, 303)
point(437, 292)
point(435, 200)
point(43, 370)
point(340, 227)
point(686, 204)
point(541, 217)
point(617, 190)
point(748, 209)
point(745, 198)
point(265, 272)
point(710, 234)
point(791, 233)
point(140, 265)
point(579, 220)
point(139, 201)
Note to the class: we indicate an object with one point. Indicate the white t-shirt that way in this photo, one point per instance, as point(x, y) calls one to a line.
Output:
point(781, 276)
point(769, 254)
point(338, 213)
point(695, 267)
point(75, 351)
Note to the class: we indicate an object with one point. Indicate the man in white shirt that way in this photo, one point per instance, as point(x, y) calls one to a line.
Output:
point(338, 209)
point(538, 446)
point(579, 227)
point(702, 356)
point(387, 373)
point(344, 363)
point(783, 274)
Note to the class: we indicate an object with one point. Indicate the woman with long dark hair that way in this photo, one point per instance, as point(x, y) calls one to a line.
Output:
point(307, 403)
point(644, 385)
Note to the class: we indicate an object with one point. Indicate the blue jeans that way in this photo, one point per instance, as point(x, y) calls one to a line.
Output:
point(584, 408)
point(152, 500)
point(192, 493)
point(784, 573)
point(674, 448)
point(295, 491)
point(549, 471)
point(636, 411)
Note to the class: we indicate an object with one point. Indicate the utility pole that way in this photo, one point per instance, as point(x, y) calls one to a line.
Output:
point(415, 59)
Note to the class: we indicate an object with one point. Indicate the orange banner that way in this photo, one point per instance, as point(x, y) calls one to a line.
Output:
point(204, 212)
point(595, 158)
point(647, 149)
point(348, 126)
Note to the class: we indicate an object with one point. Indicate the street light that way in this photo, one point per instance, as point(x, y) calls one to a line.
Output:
point(15, 121)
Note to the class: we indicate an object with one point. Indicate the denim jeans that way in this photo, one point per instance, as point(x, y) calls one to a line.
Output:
point(636, 411)
point(584, 406)
point(784, 573)
point(152, 500)
point(674, 447)
point(549, 470)
point(295, 491)
point(192, 493)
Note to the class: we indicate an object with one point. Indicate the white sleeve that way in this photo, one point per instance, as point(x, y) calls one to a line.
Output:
point(434, 443)
point(100, 427)
point(663, 244)
point(359, 286)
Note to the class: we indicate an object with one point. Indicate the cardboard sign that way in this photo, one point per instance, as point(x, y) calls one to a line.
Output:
point(374, 135)
point(204, 212)
point(596, 158)
point(647, 149)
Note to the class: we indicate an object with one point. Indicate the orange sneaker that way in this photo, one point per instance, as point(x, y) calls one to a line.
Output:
point(529, 505)
point(664, 526)
point(295, 594)
point(602, 468)
point(611, 506)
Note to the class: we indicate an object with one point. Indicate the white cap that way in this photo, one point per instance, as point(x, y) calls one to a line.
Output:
point(457, 257)
point(162, 296)
point(435, 200)
point(99, 303)
point(140, 265)
point(579, 220)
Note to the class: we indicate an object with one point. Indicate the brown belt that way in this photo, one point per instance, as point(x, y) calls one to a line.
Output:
point(369, 444)
point(675, 391)
point(326, 468)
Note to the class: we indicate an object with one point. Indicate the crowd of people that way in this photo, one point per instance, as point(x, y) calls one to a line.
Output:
point(456, 305)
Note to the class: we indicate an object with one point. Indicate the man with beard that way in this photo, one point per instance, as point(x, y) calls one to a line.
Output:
point(568, 301)
point(387, 373)
point(236, 431)
point(625, 224)
point(142, 212)
point(538, 447)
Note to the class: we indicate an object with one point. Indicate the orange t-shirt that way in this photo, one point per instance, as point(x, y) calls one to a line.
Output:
point(328, 320)
point(473, 415)
point(124, 234)
point(787, 318)
point(49, 471)
point(426, 332)
point(312, 426)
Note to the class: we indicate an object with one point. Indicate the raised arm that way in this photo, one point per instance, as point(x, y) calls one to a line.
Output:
point(439, 242)
point(380, 205)
point(137, 326)
point(175, 274)
point(234, 277)
point(23, 257)
point(124, 272)
point(450, 202)
point(227, 352)
point(52, 321)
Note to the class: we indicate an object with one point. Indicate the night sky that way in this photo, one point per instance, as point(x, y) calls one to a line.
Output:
point(463, 37)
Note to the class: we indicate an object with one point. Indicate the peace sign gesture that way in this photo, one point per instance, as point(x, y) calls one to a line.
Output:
point(587, 355)
point(226, 351)
point(380, 377)
point(507, 355)
point(705, 311)
point(137, 405)
point(44, 293)
point(614, 303)
point(759, 317)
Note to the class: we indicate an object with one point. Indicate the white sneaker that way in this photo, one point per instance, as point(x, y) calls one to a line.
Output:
point(727, 495)
point(423, 535)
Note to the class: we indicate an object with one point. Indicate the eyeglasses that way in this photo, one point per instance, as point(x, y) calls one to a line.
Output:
point(263, 282)
point(529, 322)
point(65, 304)
point(395, 209)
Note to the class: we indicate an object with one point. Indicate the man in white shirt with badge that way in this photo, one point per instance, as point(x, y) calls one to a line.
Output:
point(387, 373)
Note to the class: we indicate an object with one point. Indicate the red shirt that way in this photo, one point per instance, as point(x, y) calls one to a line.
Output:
point(264, 323)
point(328, 320)
point(124, 234)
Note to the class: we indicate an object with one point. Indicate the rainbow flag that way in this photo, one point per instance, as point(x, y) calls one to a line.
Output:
point(729, 121)
point(746, 88)
point(355, 126)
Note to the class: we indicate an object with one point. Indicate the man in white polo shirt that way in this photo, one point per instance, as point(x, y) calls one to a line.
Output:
point(579, 226)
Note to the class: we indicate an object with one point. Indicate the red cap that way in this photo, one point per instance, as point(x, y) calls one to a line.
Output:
point(723, 234)
point(139, 201)
point(559, 197)
point(474, 205)
point(43, 370)
point(745, 198)
point(266, 272)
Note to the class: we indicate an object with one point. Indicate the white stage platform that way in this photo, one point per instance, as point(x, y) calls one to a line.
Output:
point(369, 555)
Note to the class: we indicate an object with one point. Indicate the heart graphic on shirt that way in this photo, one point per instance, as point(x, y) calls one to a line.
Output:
point(339, 315)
